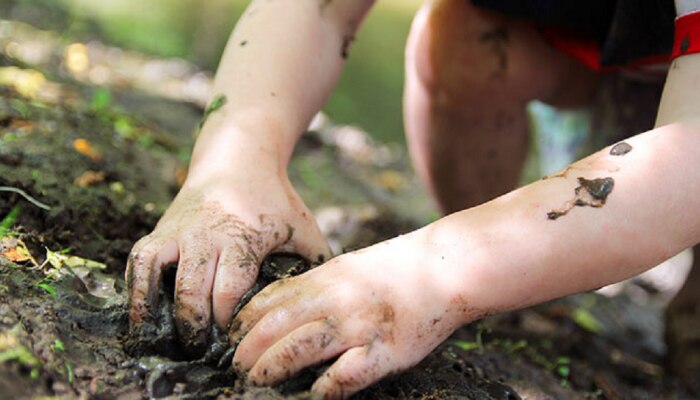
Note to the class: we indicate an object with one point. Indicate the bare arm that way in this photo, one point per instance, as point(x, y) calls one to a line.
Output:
point(386, 307)
point(650, 215)
point(280, 65)
point(237, 204)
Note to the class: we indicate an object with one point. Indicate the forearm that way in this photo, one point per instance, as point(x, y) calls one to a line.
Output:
point(509, 253)
point(517, 256)
point(280, 64)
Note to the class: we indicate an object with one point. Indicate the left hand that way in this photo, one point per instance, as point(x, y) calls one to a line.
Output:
point(382, 309)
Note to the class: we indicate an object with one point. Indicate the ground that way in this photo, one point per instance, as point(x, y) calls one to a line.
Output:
point(85, 172)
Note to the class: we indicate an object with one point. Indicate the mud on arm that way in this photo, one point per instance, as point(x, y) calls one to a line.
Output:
point(617, 213)
point(280, 64)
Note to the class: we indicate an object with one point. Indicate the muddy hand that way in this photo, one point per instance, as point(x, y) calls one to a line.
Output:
point(381, 310)
point(218, 236)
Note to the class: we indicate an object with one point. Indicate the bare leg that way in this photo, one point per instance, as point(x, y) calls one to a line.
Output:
point(469, 75)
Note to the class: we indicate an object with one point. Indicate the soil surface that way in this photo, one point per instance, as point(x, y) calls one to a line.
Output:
point(81, 179)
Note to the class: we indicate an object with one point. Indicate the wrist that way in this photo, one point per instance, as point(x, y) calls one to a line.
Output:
point(233, 149)
point(458, 256)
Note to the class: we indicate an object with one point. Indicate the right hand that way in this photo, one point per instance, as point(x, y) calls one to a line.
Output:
point(218, 230)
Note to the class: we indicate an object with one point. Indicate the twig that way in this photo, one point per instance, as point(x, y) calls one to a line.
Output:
point(26, 196)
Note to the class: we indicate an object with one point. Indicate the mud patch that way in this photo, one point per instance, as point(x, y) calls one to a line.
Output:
point(590, 193)
point(620, 149)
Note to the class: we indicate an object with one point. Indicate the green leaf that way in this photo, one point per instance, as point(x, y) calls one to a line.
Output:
point(48, 288)
point(124, 127)
point(55, 259)
point(218, 102)
point(69, 371)
point(10, 219)
point(58, 345)
point(586, 320)
point(101, 99)
point(563, 371)
point(59, 259)
point(466, 346)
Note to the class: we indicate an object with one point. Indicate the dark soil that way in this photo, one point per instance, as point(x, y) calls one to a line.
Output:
point(67, 334)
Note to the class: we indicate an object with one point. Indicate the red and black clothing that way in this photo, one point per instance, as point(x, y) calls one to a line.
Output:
point(605, 35)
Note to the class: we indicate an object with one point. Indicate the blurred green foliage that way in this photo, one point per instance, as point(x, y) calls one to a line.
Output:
point(370, 91)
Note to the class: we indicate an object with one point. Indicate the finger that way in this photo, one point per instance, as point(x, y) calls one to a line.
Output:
point(193, 285)
point(143, 275)
point(266, 300)
point(355, 370)
point(235, 275)
point(272, 327)
point(307, 241)
point(309, 345)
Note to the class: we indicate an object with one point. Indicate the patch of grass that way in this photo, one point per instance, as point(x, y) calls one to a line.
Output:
point(12, 350)
point(9, 221)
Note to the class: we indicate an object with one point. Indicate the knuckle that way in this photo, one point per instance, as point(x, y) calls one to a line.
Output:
point(287, 353)
point(192, 235)
point(346, 296)
point(227, 295)
point(188, 292)
point(143, 241)
point(140, 256)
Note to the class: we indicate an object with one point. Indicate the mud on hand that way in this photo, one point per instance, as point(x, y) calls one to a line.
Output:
point(217, 247)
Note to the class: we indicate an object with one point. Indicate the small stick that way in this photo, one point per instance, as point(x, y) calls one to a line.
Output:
point(26, 196)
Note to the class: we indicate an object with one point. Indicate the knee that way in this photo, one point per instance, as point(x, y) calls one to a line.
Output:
point(456, 50)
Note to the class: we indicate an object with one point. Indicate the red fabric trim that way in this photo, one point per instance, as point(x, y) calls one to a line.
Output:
point(588, 51)
point(584, 50)
point(687, 37)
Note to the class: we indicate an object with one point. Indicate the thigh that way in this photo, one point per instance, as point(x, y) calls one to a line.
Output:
point(473, 51)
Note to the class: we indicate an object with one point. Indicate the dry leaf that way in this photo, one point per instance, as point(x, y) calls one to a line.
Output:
point(17, 255)
point(89, 178)
point(83, 146)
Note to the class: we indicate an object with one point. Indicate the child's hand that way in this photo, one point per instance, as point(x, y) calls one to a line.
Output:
point(218, 231)
point(382, 309)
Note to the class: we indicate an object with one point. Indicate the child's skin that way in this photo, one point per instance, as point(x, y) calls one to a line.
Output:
point(382, 309)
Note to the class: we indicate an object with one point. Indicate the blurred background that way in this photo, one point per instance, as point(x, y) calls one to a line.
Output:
point(185, 39)
point(369, 94)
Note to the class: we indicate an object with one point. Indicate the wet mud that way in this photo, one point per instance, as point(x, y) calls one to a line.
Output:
point(620, 149)
point(64, 330)
point(590, 193)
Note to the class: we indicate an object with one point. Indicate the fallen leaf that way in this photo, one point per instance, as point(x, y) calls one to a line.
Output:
point(22, 124)
point(89, 178)
point(392, 180)
point(180, 175)
point(84, 147)
point(17, 255)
